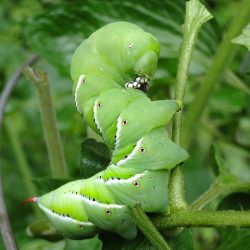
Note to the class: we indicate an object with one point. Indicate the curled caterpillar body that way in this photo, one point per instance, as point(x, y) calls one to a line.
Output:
point(111, 71)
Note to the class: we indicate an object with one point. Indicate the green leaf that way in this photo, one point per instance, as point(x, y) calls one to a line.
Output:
point(138, 244)
point(161, 18)
point(90, 244)
point(237, 160)
point(243, 131)
point(234, 239)
point(115, 242)
point(42, 245)
point(112, 241)
point(183, 241)
point(95, 157)
point(228, 100)
point(237, 201)
point(244, 37)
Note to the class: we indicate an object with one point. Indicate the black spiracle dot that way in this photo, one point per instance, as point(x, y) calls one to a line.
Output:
point(98, 105)
point(136, 183)
point(142, 150)
point(108, 212)
point(124, 122)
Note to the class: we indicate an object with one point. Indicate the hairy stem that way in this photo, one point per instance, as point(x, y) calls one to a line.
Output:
point(192, 218)
point(196, 15)
point(52, 137)
point(148, 228)
point(223, 56)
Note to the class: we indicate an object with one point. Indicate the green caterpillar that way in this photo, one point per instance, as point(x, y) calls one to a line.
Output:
point(111, 71)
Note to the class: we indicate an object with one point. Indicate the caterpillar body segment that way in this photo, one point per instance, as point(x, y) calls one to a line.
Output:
point(110, 69)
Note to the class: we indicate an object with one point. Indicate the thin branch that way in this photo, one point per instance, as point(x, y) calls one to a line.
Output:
point(6, 231)
point(147, 227)
point(52, 136)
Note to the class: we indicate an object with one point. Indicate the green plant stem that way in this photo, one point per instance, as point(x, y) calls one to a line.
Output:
point(224, 55)
point(191, 27)
point(192, 218)
point(22, 163)
point(148, 228)
point(52, 137)
point(220, 188)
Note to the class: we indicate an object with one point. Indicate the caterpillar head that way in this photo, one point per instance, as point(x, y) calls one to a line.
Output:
point(118, 53)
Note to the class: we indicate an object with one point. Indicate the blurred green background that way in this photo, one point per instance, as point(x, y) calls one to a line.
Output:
point(53, 29)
